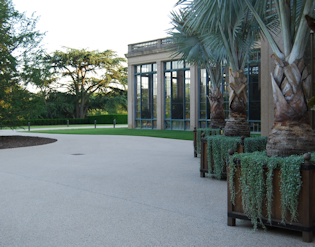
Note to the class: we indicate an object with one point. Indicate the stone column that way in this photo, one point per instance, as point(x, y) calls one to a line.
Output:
point(194, 108)
point(131, 97)
point(266, 103)
point(160, 95)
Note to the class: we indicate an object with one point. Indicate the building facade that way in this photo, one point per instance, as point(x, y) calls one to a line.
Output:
point(167, 93)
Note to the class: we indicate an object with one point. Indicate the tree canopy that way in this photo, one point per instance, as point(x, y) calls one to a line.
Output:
point(90, 72)
point(19, 43)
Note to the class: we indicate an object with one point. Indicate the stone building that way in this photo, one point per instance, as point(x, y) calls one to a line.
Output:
point(166, 93)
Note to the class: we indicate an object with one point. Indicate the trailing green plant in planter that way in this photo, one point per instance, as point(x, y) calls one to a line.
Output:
point(255, 143)
point(218, 147)
point(207, 132)
point(256, 188)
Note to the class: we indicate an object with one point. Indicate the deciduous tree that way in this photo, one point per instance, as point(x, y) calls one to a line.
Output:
point(19, 42)
point(89, 72)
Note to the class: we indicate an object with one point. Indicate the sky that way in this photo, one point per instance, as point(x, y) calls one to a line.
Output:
point(99, 24)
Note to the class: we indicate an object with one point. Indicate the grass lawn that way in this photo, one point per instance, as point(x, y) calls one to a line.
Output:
point(173, 134)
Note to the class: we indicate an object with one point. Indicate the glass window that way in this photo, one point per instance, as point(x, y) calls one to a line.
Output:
point(146, 95)
point(146, 68)
point(154, 67)
point(177, 95)
point(167, 65)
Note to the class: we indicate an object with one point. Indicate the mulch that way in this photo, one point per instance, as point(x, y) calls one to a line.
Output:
point(23, 141)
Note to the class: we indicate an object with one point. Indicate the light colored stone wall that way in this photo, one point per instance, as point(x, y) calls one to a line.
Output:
point(267, 102)
point(160, 95)
point(267, 105)
point(194, 98)
point(131, 97)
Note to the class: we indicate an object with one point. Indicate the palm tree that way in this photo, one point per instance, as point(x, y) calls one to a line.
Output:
point(190, 46)
point(291, 81)
point(227, 24)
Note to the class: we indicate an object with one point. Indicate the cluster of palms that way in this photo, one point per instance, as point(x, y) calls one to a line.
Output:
point(212, 33)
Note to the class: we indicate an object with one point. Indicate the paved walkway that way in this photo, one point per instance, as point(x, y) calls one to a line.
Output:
point(86, 190)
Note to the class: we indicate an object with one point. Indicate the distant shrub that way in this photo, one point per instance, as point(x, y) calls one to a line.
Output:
point(108, 119)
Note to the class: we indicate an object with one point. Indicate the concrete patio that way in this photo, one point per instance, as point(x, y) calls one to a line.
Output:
point(86, 190)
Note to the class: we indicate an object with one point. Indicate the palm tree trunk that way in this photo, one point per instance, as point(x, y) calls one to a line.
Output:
point(237, 124)
point(217, 108)
point(291, 132)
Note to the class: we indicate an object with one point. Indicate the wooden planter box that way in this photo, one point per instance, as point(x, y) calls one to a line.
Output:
point(204, 158)
point(306, 207)
point(202, 136)
point(195, 142)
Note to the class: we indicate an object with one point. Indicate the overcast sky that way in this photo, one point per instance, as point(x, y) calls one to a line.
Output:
point(99, 24)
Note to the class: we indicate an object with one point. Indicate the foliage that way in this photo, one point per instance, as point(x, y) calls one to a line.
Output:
point(63, 121)
point(207, 132)
point(217, 153)
point(218, 147)
point(108, 119)
point(58, 105)
point(290, 185)
point(257, 143)
point(101, 119)
point(19, 43)
point(226, 26)
point(293, 25)
point(190, 46)
point(257, 188)
point(311, 103)
point(111, 102)
point(90, 73)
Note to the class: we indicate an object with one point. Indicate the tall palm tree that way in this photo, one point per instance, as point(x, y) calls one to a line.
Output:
point(190, 46)
point(236, 31)
point(291, 81)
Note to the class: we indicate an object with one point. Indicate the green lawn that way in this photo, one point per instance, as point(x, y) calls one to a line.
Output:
point(173, 134)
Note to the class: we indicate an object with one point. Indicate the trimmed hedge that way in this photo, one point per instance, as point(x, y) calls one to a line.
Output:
point(108, 119)
point(33, 122)
point(101, 119)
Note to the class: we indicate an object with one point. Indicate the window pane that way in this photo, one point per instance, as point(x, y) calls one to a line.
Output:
point(178, 96)
point(180, 64)
point(155, 96)
point(146, 68)
point(187, 125)
point(254, 92)
point(154, 67)
point(202, 124)
point(168, 95)
point(203, 115)
point(168, 65)
point(174, 64)
point(254, 111)
point(168, 125)
point(178, 125)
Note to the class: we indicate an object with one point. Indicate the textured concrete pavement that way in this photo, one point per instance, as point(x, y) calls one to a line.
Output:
point(86, 190)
